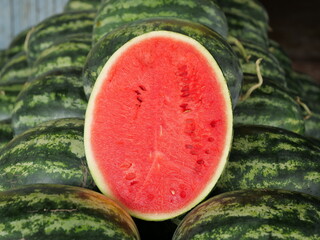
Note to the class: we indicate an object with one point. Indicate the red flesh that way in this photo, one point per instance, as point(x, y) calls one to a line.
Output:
point(159, 125)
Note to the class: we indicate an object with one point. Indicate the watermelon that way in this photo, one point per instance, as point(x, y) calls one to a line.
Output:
point(115, 13)
point(54, 95)
point(159, 117)
point(52, 211)
point(52, 152)
point(7, 101)
point(81, 5)
point(70, 51)
point(269, 157)
point(253, 214)
point(58, 26)
point(260, 106)
point(6, 132)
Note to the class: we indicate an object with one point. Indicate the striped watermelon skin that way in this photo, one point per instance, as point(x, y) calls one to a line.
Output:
point(268, 157)
point(15, 72)
point(17, 43)
point(269, 66)
point(277, 50)
point(49, 211)
point(68, 52)
point(6, 132)
point(57, 94)
point(3, 58)
point(253, 214)
point(245, 28)
point(213, 42)
point(115, 13)
point(52, 152)
point(251, 8)
point(81, 5)
point(7, 101)
point(58, 26)
point(268, 99)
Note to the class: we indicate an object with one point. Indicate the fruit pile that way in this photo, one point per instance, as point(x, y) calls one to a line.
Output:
point(177, 119)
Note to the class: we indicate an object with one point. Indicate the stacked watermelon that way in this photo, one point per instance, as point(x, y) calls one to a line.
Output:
point(177, 119)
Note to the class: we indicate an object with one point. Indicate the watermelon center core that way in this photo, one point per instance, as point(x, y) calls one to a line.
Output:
point(159, 124)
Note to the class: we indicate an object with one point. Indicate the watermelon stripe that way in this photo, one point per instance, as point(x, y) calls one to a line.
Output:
point(52, 153)
point(60, 90)
point(113, 14)
point(62, 212)
point(253, 214)
point(266, 157)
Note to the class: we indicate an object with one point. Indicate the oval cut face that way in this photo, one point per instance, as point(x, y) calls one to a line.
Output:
point(158, 125)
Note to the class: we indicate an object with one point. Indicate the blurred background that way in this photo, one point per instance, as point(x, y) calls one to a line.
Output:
point(294, 24)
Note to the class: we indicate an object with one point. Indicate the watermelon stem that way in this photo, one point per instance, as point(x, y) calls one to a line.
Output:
point(255, 86)
point(305, 107)
point(240, 46)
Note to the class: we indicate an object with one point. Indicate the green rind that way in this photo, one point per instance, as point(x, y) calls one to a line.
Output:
point(46, 211)
point(213, 42)
point(268, 105)
point(248, 8)
point(81, 5)
point(15, 72)
point(269, 66)
point(58, 26)
point(17, 43)
point(3, 58)
point(253, 214)
point(57, 94)
point(312, 123)
point(278, 51)
point(268, 157)
point(115, 13)
point(7, 101)
point(50, 153)
point(6, 132)
point(245, 28)
point(70, 52)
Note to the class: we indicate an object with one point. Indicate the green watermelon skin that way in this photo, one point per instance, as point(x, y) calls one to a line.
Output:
point(245, 28)
point(269, 66)
point(278, 51)
point(3, 58)
point(52, 211)
point(6, 132)
point(58, 26)
point(49, 153)
point(213, 42)
point(15, 72)
point(54, 95)
point(253, 214)
point(268, 157)
point(81, 5)
point(17, 43)
point(69, 52)
point(115, 13)
point(268, 105)
point(7, 101)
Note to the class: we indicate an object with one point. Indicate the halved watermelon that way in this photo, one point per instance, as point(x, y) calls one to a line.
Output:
point(158, 125)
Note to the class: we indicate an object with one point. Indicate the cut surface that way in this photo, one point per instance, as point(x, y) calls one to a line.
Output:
point(158, 125)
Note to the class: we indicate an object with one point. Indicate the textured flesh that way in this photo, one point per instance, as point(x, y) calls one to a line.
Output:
point(158, 121)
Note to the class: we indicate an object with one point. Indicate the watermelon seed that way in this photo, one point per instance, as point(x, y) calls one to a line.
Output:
point(213, 123)
point(188, 146)
point(133, 183)
point(185, 94)
point(142, 88)
point(183, 194)
point(125, 165)
point(210, 139)
point(137, 92)
point(173, 192)
point(200, 161)
point(139, 99)
point(130, 176)
point(207, 151)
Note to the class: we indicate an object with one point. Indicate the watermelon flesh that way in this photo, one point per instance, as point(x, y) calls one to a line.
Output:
point(158, 125)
